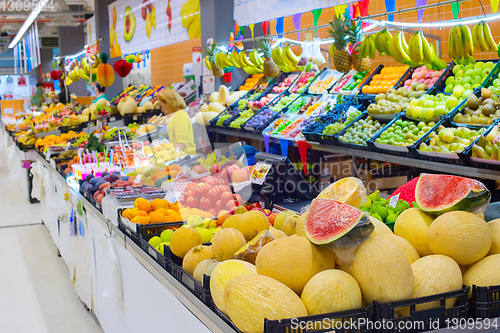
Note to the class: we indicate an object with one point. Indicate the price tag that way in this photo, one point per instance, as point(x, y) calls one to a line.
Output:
point(134, 118)
point(137, 179)
point(351, 110)
point(112, 119)
point(394, 201)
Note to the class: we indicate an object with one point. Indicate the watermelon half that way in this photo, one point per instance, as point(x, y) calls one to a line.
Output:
point(439, 194)
point(328, 220)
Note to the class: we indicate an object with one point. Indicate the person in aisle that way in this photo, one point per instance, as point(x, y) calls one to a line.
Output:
point(100, 92)
point(37, 99)
point(64, 94)
point(178, 128)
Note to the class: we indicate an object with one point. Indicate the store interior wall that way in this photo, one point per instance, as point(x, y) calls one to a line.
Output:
point(47, 55)
point(71, 41)
point(102, 31)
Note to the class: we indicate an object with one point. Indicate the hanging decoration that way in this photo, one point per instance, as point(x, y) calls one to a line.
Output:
point(122, 68)
point(363, 7)
point(354, 9)
point(55, 75)
point(296, 19)
point(420, 12)
point(339, 10)
point(280, 26)
point(494, 5)
point(239, 36)
point(390, 6)
point(316, 14)
point(455, 8)
point(265, 26)
point(251, 26)
point(105, 74)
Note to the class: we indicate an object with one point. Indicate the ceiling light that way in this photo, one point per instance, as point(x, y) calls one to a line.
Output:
point(29, 21)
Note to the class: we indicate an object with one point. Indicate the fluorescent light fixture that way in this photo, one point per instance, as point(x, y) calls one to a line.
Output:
point(436, 24)
point(29, 21)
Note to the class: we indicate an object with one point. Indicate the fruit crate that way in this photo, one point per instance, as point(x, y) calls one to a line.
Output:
point(133, 118)
point(369, 79)
point(484, 302)
point(402, 151)
point(488, 81)
point(460, 109)
point(453, 158)
point(478, 162)
point(441, 82)
point(422, 320)
point(337, 136)
point(66, 129)
point(407, 75)
point(174, 265)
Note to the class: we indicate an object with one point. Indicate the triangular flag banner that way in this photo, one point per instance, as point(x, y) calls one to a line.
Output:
point(242, 31)
point(251, 26)
point(494, 5)
point(354, 10)
point(302, 145)
point(266, 142)
point(265, 26)
point(390, 6)
point(284, 147)
point(420, 12)
point(455, 8)
point(339, 10)
point(236, 30)
point(316, 14)
point(296, 23)
point(363, 7)
point(280, 26)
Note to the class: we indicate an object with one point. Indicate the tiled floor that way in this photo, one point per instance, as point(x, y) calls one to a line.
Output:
point(36, 294)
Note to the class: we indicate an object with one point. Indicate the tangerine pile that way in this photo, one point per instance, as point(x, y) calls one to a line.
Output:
point(156, 211)
point(384, 81)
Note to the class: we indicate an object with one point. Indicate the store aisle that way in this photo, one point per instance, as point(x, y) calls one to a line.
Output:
point(35, 288)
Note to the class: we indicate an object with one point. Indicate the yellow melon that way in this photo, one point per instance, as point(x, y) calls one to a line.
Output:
point(222, 274)
point(280, 218)
point(301, 225)
point(495, 233)
point(183, 240)
point(196, 255)
point(382, 271)
point(226, 242)
point(380, 228)
point(251, 298)
point(434, 274)
point(251, 223)
point(408, 250)
point(290, 225)
point(231, 222)
point(201, 268)
point(412, 224)
point(483, 273)
point(293, 261)
point(277, 233)
point(463, 236)
point(331, 291)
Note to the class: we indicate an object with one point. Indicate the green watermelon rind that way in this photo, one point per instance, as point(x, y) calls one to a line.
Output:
point(359, 223)
point(469, 203)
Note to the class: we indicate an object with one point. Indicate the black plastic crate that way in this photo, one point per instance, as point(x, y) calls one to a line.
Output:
point(369, 79)
point(460, 109)
point(74, 128)
point(407, 75)
point(422, 320)
point(441, 82)
point(485, 302)
point(153, 253)
point(133, 118)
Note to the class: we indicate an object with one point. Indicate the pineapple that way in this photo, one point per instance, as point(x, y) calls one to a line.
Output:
point(270, 68)
point(211, 51)
point(340, 33)
point(358, 63)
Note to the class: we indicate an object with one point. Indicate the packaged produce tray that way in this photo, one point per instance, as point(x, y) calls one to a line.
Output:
point(478, 162)
point(485, 303)
point(423, 320)
point(346, 80)
point(324, 81)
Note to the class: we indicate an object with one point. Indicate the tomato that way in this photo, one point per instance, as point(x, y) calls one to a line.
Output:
point(192, 202)
point(206, 204)
point(214, 194)
point(222, 188)
point(190, 186)
point(206, 179)
point(230, 205)
point(212, 211)
point(239, 176)
point(206, 189)
point(226, 196)
point(188, 193)
point(211, 182)
point(199, 191)
point(238, 199)
point(219, 206)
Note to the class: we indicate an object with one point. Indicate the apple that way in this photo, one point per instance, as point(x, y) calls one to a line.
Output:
point(468, 67)
point(429, 104)
point(448, 89)
point(466, 93)
point(475, 86)
point(489, 64)
point(460, 73)
point(239, 176)
point(467, 86)
point(466, 79)
point(457, 68)
point(450, 80)
point(486, 71)
point(440, 110)
point(496, 83)
point(479, 64)
point(477, 79)
point(458, 91)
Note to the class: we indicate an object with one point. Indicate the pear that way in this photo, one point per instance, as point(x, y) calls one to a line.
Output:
point(472, 102)
point(486, 93)
point(488, 109)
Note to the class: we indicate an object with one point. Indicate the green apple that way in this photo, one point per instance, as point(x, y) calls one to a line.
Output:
point(414, 102)
point(495, 90)
point(458, 80)
point(477, 72)
point(467, 86)
point(475, 86)
point(429, 114)
point(421, 102)
point(452, 102)
point(466, 79)
point(496, 83)
point(466, 93)
point(477, 79)
point(440, 110)
point(460, 73)
point(429, 104)
point(468, 67)
point(469, 72)
point(422, 113)
point(449, 89)
point(489, 64)
point(457, 68)
point(486, 72)
point(450, 80)
point(458, 91)
point(440, 96)
point(479, 64)
point(416, 111)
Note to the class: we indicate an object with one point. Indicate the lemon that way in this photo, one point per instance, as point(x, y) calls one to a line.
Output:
point(348, 190)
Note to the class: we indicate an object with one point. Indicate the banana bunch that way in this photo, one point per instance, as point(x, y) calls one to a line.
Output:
point(482, 38)
point(398, 49)
point(461, 45)
point(423, 53)
point(368, 48)
point(382, 39)
point(286, 59)
point(190, 13)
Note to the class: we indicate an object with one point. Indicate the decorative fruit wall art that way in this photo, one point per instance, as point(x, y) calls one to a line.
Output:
point(148, 13)
point(190, 13)
point(129, 24)
point(114, 48)
point(169, 15)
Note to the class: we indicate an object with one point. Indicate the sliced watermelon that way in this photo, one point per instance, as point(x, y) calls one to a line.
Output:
point(439, 194)
point(407, 191)
point(328, 220)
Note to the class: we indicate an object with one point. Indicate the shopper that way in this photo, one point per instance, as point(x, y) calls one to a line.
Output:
point(37, 99)
point(178, 128)
point(100, 92)
point(64, 94)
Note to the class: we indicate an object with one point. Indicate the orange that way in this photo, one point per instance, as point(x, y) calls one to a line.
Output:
point(129, 213)
point(159, 203)
point(174, 206)
point(162, 211)
point(142, 204)
point(174, 173)
point(140, 220)
point(155, 217)
point(171, 212)
point(175, 167)
point(141, 213)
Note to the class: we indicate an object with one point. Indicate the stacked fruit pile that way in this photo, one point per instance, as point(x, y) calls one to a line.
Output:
point(303, 82)
point(430, 107)
point(156, 211)
point(404, 132)
point(250, 82)
point(381, 83)
point(450, 140)
point(381, 209)
point(488, 147)
point(361, 131)
point(393, 102)
point(483, 110)
point(425, 76)
point(349, 85)
point(467, 77)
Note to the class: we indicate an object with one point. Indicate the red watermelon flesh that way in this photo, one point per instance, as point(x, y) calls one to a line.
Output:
point(438, 194)
point(407, 191)
point(328, 220)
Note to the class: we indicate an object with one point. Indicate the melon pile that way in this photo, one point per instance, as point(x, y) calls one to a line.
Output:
point(291, 270)
point(218, 102)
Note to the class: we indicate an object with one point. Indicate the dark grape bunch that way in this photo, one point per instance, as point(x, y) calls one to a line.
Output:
point(260, 119)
